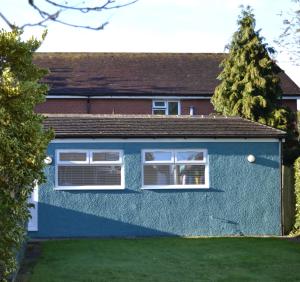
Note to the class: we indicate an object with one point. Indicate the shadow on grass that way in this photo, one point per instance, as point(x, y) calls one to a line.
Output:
point(32, 254)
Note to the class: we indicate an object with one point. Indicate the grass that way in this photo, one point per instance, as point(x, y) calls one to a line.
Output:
point(168, 259)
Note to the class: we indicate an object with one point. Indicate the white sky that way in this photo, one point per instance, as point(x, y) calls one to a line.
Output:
point(158, 26)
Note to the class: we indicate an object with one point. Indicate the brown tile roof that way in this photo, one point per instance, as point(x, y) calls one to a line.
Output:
point(149, 126)
point(149, 74)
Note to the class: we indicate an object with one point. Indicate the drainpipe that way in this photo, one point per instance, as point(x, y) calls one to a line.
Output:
point(192, 111)
point(88, 105)
point(281, 187)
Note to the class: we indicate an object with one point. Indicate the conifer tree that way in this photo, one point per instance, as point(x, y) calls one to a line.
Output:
point(250, 86)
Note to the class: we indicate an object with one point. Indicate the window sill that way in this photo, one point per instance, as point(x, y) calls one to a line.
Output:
point(85, 188)
point(174, 188)
point(32, 229)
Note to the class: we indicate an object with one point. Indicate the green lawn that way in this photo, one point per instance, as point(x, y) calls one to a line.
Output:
point(169, 259)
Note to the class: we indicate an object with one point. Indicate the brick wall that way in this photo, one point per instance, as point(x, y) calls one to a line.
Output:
point(125, 106)
point(64, 106)
point(292, 104)
point(106, 106)
point(201, 107)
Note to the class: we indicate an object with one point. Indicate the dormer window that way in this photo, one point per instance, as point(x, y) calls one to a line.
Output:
point(165, 107)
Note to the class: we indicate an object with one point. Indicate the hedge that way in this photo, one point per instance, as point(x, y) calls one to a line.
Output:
point(297, 193)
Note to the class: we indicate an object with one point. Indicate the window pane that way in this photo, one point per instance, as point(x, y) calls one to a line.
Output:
point(173, 108)
point(89, 175)
point(160, 104)
point(72, 156)
point(158, 156)
point(106, 156)
point(159, 112)
point(158, 175)
point(189, 156)
point(190, 174)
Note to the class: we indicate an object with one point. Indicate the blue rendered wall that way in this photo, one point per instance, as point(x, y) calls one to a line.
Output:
point(243, 199)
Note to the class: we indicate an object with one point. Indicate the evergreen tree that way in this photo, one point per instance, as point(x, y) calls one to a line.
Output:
point(23, 141)
point(250, 86)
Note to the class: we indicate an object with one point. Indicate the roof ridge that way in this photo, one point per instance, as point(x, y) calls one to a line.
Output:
point(150, 126)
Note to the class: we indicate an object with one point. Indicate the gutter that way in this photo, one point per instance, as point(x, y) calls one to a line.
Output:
point(149, 96)
point(132, 97)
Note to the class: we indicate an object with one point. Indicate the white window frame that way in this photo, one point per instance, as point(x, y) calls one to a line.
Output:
point(205, 162)
point(89, 162)
point(166, 106)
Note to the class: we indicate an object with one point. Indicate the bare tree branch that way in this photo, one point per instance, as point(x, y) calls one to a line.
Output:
point(47, 17)
point(42, 22)
point(289, 40)
point(105, 6)
point(12, 26)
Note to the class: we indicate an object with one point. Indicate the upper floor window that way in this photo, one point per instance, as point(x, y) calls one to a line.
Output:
point(89, 169)
point(165, 107)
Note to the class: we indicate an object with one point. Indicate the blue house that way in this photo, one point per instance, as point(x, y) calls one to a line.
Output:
point(148, 175)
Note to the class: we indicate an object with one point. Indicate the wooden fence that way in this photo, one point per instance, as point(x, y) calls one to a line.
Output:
point(288, 199)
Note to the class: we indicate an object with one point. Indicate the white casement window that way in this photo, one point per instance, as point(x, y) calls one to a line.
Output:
point(175, 169)
point(89, 169)
point(165, 107)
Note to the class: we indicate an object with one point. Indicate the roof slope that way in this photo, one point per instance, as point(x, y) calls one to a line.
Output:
point(150, 126)
point(137, 73)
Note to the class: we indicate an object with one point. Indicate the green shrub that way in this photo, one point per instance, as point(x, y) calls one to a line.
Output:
point(23, 142)
point(297, 192)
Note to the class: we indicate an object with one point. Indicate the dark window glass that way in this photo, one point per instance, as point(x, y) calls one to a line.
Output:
point(173, 108)
point(105, 156)
point(159, 112)
point(158, 175)
point(72, 156)
point(159, 104)
point(89, 175)
point(174, 174)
